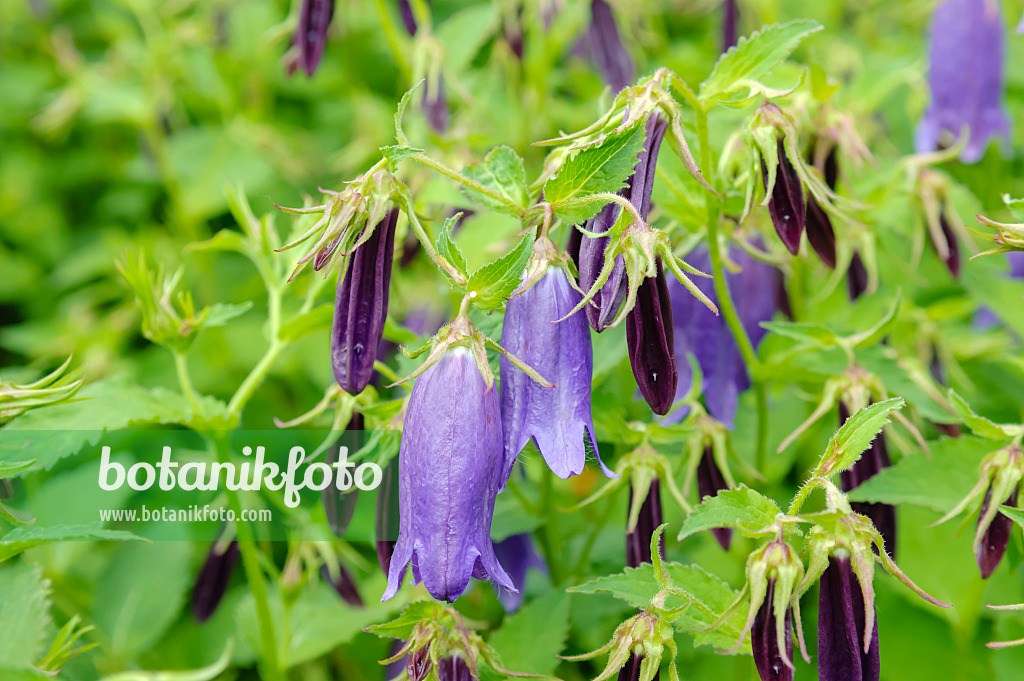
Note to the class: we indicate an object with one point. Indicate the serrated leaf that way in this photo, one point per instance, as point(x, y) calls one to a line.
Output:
point(448, 249)
point(850, 441)
point(320, 318)
point(805, 332)
point(979, 424)
point(601, 167)
point(396, 153)
point(741, 508)
point(24, 615)
point(754, 57)
point(531, 639)
point(938, 483)
point(502, 172)
point(402, 626)
point(22, 539)
point(495, 282)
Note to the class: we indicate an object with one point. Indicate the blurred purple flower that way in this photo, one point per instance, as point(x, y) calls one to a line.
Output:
point(966, 77)
point(212, 582)
point(451, 466)
point(435, 105)
point(517, 554)
point(343, 585)
point(408, 18)
point(856, 277)
point(700, 332)
point(311, 33)
point(729, 25)
point(612, 58)
point(558, 419)
point(841, 622)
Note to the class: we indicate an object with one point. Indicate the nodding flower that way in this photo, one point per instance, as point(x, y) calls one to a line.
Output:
point(966, 78)
point(212, 582)
point(786, 203)
point(649, 341)
point(361, 307)
point(311, 34)
point(451, 466)
point(841, 623)
point(517, 555)
point(612, 58)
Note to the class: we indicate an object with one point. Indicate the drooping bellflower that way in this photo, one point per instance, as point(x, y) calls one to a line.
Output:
point(612, 58)
point(451, 467)
point(557, 419)
point(966, 54)
point(820, 234)
point(729, 25)
point(873, 461)
point(649, 341)
point(341, 581)
point(212, 582)
point(361, 307)
point(453, 668)
point(311, 34)
point(786, 203)
point(517, 555)
point(841, 622)
point(638, 541)
point(769, 657)
point(710, 482)
point(996, 536)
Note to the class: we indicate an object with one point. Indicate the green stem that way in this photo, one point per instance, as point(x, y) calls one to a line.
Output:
point(260, 371)
point(551, 539)
point(181, 366)
point(253, 574)
point(472, 184)
point(725, 303)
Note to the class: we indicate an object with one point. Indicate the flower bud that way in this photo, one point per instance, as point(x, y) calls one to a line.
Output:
point(311, 34)
point(786, 203)
point(773, 663)
point(710, 482)
point(875, 459)
point(649, 341)
point(517, 555)
point(841, 657)
point(638, 541)
point(418, 664)
point(343, 584)
point(435, 105)
point(558, 419)
point(453, 668)
point(729, 25)
point(952, 257)
point(361, 307)
point(451, 467)
point(612, 58)
point(631, 670)
point(212, 582)
point(996, 537)
point(856, 277)
point(409, 21)
point(820, 234)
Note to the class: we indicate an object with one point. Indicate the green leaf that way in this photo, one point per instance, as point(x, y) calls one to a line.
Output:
point(220, 314)
point(400, 114)
point(741, 508)
point(402, 626)
point(850, 441)
point(531, 639)
point(448, 249)
point(938, 483)
point(881, 329)
point(320, 318)
point(601, 167)
point(22, 539)
point(495, 282)
point(396, 153)
point(502, 172)
point(805, 332)
point(8, 469)
point(24, 615)
point(1014, 514)
point(755, 57)
point(979, 424)
point(206, 673)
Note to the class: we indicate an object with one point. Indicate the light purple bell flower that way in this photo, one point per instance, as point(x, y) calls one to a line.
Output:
point(518, 555)
point(966, 77)
point(558, 419)
point(451, 466)
point(700, 332)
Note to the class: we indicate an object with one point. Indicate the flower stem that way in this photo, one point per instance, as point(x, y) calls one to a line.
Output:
point(181, 366)
point(260, 371)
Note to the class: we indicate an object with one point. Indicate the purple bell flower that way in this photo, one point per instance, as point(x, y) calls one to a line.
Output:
point(361, 307)
point(786, 204)
point(451, 467)
point(517, 554)
point(966, 77)
point(212, 582)
point(558, 419)
point(874, 460)
point(631, 670)
point(764, 640)
point(612, 58)
point(311, 33)
point(841, 655)
point(649, 341)
point(453, 668)
point(700, 332)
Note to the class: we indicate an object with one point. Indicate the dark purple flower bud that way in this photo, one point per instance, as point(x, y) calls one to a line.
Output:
point(997, 535)
point(339, 507)
point(408, 18)
point(212, 582)
point(764, 640)
point(856, 277)
point(558, 419)
point(820, 234)
point(343, 585)
point(417, 664)
point(966, 77)
point(638, 542)
point(386, 518)
point(883, 516)
point(311, 34)
point(649, 341)
point(573, 246)
point(786, 205)
point(710, 482)
point(517, 555)
point(952, 258)
point(699, 332)
point(453, 668)
point(841, 655)
point(639, 188)
point(729, 25)
point(361, 307)
point(451, 467)
point(612, 58)
point(435, 106)
point(631, 670)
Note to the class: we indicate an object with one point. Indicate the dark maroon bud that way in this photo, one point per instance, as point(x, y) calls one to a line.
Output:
point(612, 58)
point(343, 585)
point(820, 233)
point(729, 25)
point(417, 664)
point(939, 374)
point(764, 640)
point(786, 205)
point(361, 307)
point(996, 537)
point(841, 655)
point(953, 259)
point(831, 169)
point(649, 340)
point(574, 245)
point(856, 277)
point(782, 295)
point(339, 507)
point(631, 670)
point(212, 582)
point(883, 516)
point(435, 106)
point(709, 483)
point(311, 34)
point(386, 521)
point(408, 18)
point(453, 668)
point(638, 542)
